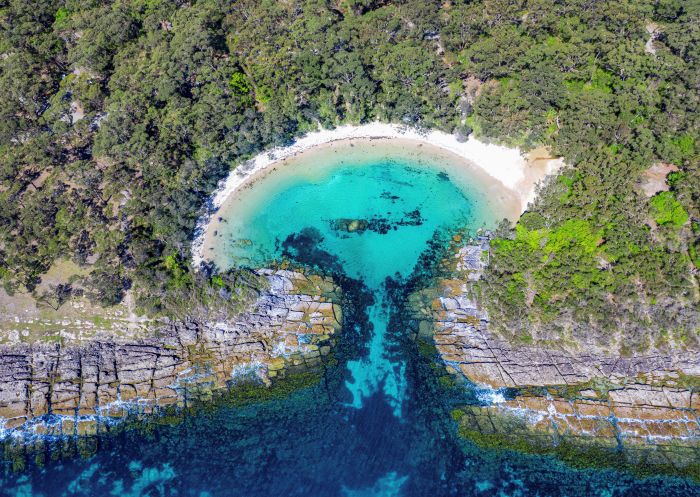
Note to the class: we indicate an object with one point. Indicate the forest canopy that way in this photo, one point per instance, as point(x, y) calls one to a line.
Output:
point(118, 118)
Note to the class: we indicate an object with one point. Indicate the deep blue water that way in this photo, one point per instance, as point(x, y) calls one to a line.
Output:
point(377, 424)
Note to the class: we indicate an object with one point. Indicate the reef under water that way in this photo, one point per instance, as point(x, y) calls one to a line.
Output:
point(376, 422)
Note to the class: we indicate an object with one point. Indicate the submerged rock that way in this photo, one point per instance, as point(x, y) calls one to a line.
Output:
point(350, 225)
point(377, 224)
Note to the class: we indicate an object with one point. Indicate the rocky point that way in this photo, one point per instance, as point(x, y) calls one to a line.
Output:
point(73, 389)
point(539, 395)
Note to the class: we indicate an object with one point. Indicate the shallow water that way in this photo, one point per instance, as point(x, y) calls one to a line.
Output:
point(369, 221)
point(378, 423)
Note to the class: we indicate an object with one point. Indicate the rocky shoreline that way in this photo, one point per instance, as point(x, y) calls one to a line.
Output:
point(533, 397)
point(547, 396)
point(62, 389)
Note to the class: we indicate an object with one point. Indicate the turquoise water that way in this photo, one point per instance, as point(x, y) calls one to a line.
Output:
point(397, 205)
point(378, 423)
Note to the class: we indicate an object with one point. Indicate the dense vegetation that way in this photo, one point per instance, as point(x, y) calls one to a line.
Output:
point(596, 259)
point(117, 119)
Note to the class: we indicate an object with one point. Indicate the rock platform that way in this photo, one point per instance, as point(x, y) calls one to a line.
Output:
point(546, 394)
point(63, 389)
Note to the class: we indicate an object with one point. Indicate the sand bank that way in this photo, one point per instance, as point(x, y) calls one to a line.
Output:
point(517, 173)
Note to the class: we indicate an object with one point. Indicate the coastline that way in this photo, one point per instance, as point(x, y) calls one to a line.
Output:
point(586, 405)
point(288, 329)
point(515, 172)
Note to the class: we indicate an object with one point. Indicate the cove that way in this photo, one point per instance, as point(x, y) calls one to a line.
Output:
point(365, 210)
point(375, 216)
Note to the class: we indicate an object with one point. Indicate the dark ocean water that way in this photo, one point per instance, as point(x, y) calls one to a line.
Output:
point(378, 422)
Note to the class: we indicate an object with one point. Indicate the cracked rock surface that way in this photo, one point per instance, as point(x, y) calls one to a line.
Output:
point(644, 401)
point(68, 389)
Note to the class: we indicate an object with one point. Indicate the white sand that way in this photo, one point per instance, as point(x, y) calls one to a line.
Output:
point(506, 165)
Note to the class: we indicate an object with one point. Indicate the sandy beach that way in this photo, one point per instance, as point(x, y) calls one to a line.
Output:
point(505, 171)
